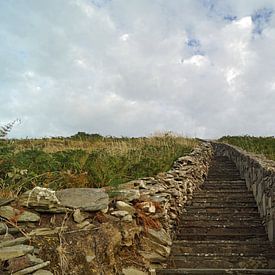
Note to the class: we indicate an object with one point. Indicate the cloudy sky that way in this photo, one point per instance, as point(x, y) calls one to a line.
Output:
point(201, 68)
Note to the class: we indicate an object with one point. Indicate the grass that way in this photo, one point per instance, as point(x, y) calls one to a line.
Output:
point(258, 145)
point(85, 160)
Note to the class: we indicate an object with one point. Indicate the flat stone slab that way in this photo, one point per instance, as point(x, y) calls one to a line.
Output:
point(10, 252)
point(86, 199)
point(126, 195)
point(18, 215)
point(5, 201)
point(13, 242)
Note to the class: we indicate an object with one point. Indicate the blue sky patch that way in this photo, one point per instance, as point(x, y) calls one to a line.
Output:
point(230, 18)
point(261, 19)
point(100, 3)
point(195, 46)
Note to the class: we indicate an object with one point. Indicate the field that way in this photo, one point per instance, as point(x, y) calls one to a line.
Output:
point(258, 145)
point(85, 160)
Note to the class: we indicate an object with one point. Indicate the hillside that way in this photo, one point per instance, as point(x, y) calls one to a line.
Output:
point(85, 160)
point(258, 145)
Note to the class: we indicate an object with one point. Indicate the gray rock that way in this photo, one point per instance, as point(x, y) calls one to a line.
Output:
point(5, 201)
point(159, 236)
point(46, 231)
point(34, 260)
point(10, 213)
point(154, 247)
point(10, 252)
point(31, 269)
point(87, 199)
point(125, 194)
point(42, 272)
point(120, 213)
point(42, 200)
point(127, 218)
point(132, 271)
point(79, 216)
point(148, 206)
point(3, 228)
point(121, 205)
point(13, 242)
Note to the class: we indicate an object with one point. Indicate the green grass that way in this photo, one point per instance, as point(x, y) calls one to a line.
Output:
point(85, 160)
point(258, 145)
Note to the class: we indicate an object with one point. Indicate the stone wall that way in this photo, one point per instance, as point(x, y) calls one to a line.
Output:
point(124, 230)
point(259, 174)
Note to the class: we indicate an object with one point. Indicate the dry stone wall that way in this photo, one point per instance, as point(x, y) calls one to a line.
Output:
point(121, 230)
point(259, 174)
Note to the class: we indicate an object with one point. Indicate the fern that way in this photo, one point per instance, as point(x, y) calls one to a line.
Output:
point(4, 130)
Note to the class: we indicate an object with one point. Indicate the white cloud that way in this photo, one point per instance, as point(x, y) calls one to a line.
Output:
point(136, 67)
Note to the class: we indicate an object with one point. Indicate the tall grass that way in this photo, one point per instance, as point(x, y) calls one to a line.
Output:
point(89, 161)
point(259, 145)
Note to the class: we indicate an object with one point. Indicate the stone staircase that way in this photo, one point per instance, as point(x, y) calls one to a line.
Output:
point(221, 232)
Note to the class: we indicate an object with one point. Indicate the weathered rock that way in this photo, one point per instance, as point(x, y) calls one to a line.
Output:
point(152, 256)
point(83, 224)
point(129, 232)
point(42, 272)
point(121, 205)
point(127, 218)
point(5, 201)
point(79, 216)
point(10, 252)
point(120, 213)
point(18, 263)
point(147, 206)
point(86, 199)
point(46, 231)
point(13, 242)
point(42, 200)
point(125, 194)
point(19, 215)
point(23, 262)
point(31, 269)
point(150, 246)
point(3, 228)
point(159, 236)
point(132, 271)
point(6, 237)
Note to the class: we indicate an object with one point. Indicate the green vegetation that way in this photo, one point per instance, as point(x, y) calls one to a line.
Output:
point(259, 145)
point(85, 160)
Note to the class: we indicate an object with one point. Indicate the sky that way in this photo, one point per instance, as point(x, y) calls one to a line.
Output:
point(203, 68)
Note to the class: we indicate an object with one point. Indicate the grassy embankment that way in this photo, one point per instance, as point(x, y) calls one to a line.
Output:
point(258, 145)
point(85, 160)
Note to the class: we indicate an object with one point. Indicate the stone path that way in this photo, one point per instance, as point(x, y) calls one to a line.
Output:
point(221, 231)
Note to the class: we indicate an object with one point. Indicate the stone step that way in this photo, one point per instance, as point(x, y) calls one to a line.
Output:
point(199, 195)
point(234, 185)
point(224, 177)
point(222, 210)
point(224, 187)
point(229, 236)
point(225, 181)
point(222, 230)
point(180, 247)
point(202, 261)
point(224, 192)
point(226, 254)
point(219, 223)
point(224, 204)
point(223, 173)
point(222, 218)
point(212, 199)
point(214, 271)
